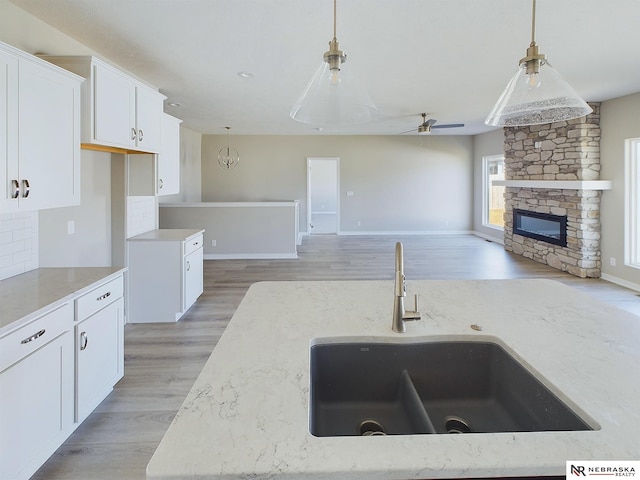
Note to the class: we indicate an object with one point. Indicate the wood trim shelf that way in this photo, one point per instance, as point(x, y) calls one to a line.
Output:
point(105, 148)
point(557, 184)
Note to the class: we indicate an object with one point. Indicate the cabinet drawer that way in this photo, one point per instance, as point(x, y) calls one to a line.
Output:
point(193, 244)
point(36, 334)
point(98, 298)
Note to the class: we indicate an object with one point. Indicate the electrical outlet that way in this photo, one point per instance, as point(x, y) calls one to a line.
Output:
point(358, 223)
point(612, 261)
point(213, 243)
point(71, 227)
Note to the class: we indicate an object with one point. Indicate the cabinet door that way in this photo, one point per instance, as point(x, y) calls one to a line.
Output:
point(49, 138)
point(36, 407)
point(193, 277)
point(148, 119)
point(8, 131)
point(114, 108)
point(99, 357)
point(169, 157)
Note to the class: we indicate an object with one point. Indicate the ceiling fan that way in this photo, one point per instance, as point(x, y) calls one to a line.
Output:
point(425, 127)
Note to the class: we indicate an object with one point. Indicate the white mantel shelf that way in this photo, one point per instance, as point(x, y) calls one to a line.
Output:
point(556, 184)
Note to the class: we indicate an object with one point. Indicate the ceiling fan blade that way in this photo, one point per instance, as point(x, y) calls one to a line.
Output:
point(430, 122)
point(448, 125)
point(408, 131)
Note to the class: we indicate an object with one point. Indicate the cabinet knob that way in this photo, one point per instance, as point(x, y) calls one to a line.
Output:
point(84, 340)
point(15, 189)
point(134, 134)
point(25, 188)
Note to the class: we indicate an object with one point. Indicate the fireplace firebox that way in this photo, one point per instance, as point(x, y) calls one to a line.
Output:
point(541, 226)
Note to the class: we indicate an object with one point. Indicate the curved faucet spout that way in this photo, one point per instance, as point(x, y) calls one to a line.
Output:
point(400, 315)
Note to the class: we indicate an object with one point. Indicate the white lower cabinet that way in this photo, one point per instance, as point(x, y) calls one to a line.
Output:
point(165, 274)
point(54, 371)
point(36, 392)
point(193, 277)
point(99, 356)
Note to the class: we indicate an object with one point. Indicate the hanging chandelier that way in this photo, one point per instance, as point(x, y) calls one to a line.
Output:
point(333, 97)
point(228, 157)
point(536, 93)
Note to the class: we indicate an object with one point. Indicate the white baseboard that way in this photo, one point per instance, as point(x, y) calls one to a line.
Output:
point(429, 232)
point(249, 256)
point(499, 240)
point(621, 282)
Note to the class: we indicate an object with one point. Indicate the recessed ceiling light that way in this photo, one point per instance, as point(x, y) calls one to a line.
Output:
point(246, 74)
point(174, 104)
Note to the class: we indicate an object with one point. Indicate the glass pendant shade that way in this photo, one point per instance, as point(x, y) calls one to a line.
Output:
point(333, 97)
point(535, 98)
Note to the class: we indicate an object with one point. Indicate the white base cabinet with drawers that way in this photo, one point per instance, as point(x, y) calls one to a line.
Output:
point(99, 343)
point(36, 392)
point(55, 370)
point(165, 274)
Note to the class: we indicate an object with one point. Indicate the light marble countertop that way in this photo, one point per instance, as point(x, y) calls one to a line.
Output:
point(25, 297)
point(168, 235)
point(247, 414)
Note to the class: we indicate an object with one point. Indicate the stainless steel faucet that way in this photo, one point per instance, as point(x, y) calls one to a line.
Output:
point(400, 315)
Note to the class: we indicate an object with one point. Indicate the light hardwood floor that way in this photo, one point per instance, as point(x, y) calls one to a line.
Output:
point(163, 360)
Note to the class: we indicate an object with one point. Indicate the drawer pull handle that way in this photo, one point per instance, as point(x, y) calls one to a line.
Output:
point(33, 337)
point(195, 243)
point(84, 340)
point(140, 135)
point(102, 297)
point(188, 265)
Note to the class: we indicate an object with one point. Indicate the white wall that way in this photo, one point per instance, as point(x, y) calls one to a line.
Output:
point(400, 183)
point(491, 143)
point(619, 120)
point(90, 245)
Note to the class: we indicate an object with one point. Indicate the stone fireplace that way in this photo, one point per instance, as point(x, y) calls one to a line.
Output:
point(554, 169)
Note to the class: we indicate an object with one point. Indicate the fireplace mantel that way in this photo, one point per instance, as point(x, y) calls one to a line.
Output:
point(556, 184)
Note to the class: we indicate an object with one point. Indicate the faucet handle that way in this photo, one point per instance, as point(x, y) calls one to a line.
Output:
point(415, 303)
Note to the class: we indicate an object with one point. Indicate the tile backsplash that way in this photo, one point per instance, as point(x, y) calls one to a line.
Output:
point(141, 215)
point(18, 243)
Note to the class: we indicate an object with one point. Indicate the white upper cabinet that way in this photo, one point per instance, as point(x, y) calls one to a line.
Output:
point(40, 133)
point(9, 177)
point(118, 110)
point(168, 178)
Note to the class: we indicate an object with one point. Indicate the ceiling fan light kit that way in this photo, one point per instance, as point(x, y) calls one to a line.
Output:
point(333, 97)
point(537, 93)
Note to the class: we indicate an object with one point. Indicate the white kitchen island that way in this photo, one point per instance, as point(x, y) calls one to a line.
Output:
point(247, 415)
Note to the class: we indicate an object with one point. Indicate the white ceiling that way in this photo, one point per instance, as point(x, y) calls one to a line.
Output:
point(450, 58)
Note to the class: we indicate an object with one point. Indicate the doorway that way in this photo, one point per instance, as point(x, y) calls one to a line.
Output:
point(323, 201)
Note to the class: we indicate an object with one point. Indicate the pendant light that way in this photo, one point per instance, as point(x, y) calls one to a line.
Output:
point(537, 93)
point(333, 97)
point(228, 157)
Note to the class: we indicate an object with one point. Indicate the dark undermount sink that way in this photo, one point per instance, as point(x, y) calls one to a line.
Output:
point(370, 388)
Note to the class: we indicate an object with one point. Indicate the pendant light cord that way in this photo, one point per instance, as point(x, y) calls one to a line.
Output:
point(533, 23)
point(334, 19)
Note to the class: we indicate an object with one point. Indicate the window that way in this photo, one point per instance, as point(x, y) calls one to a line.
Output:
point(492, 195)
point(632, 203)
